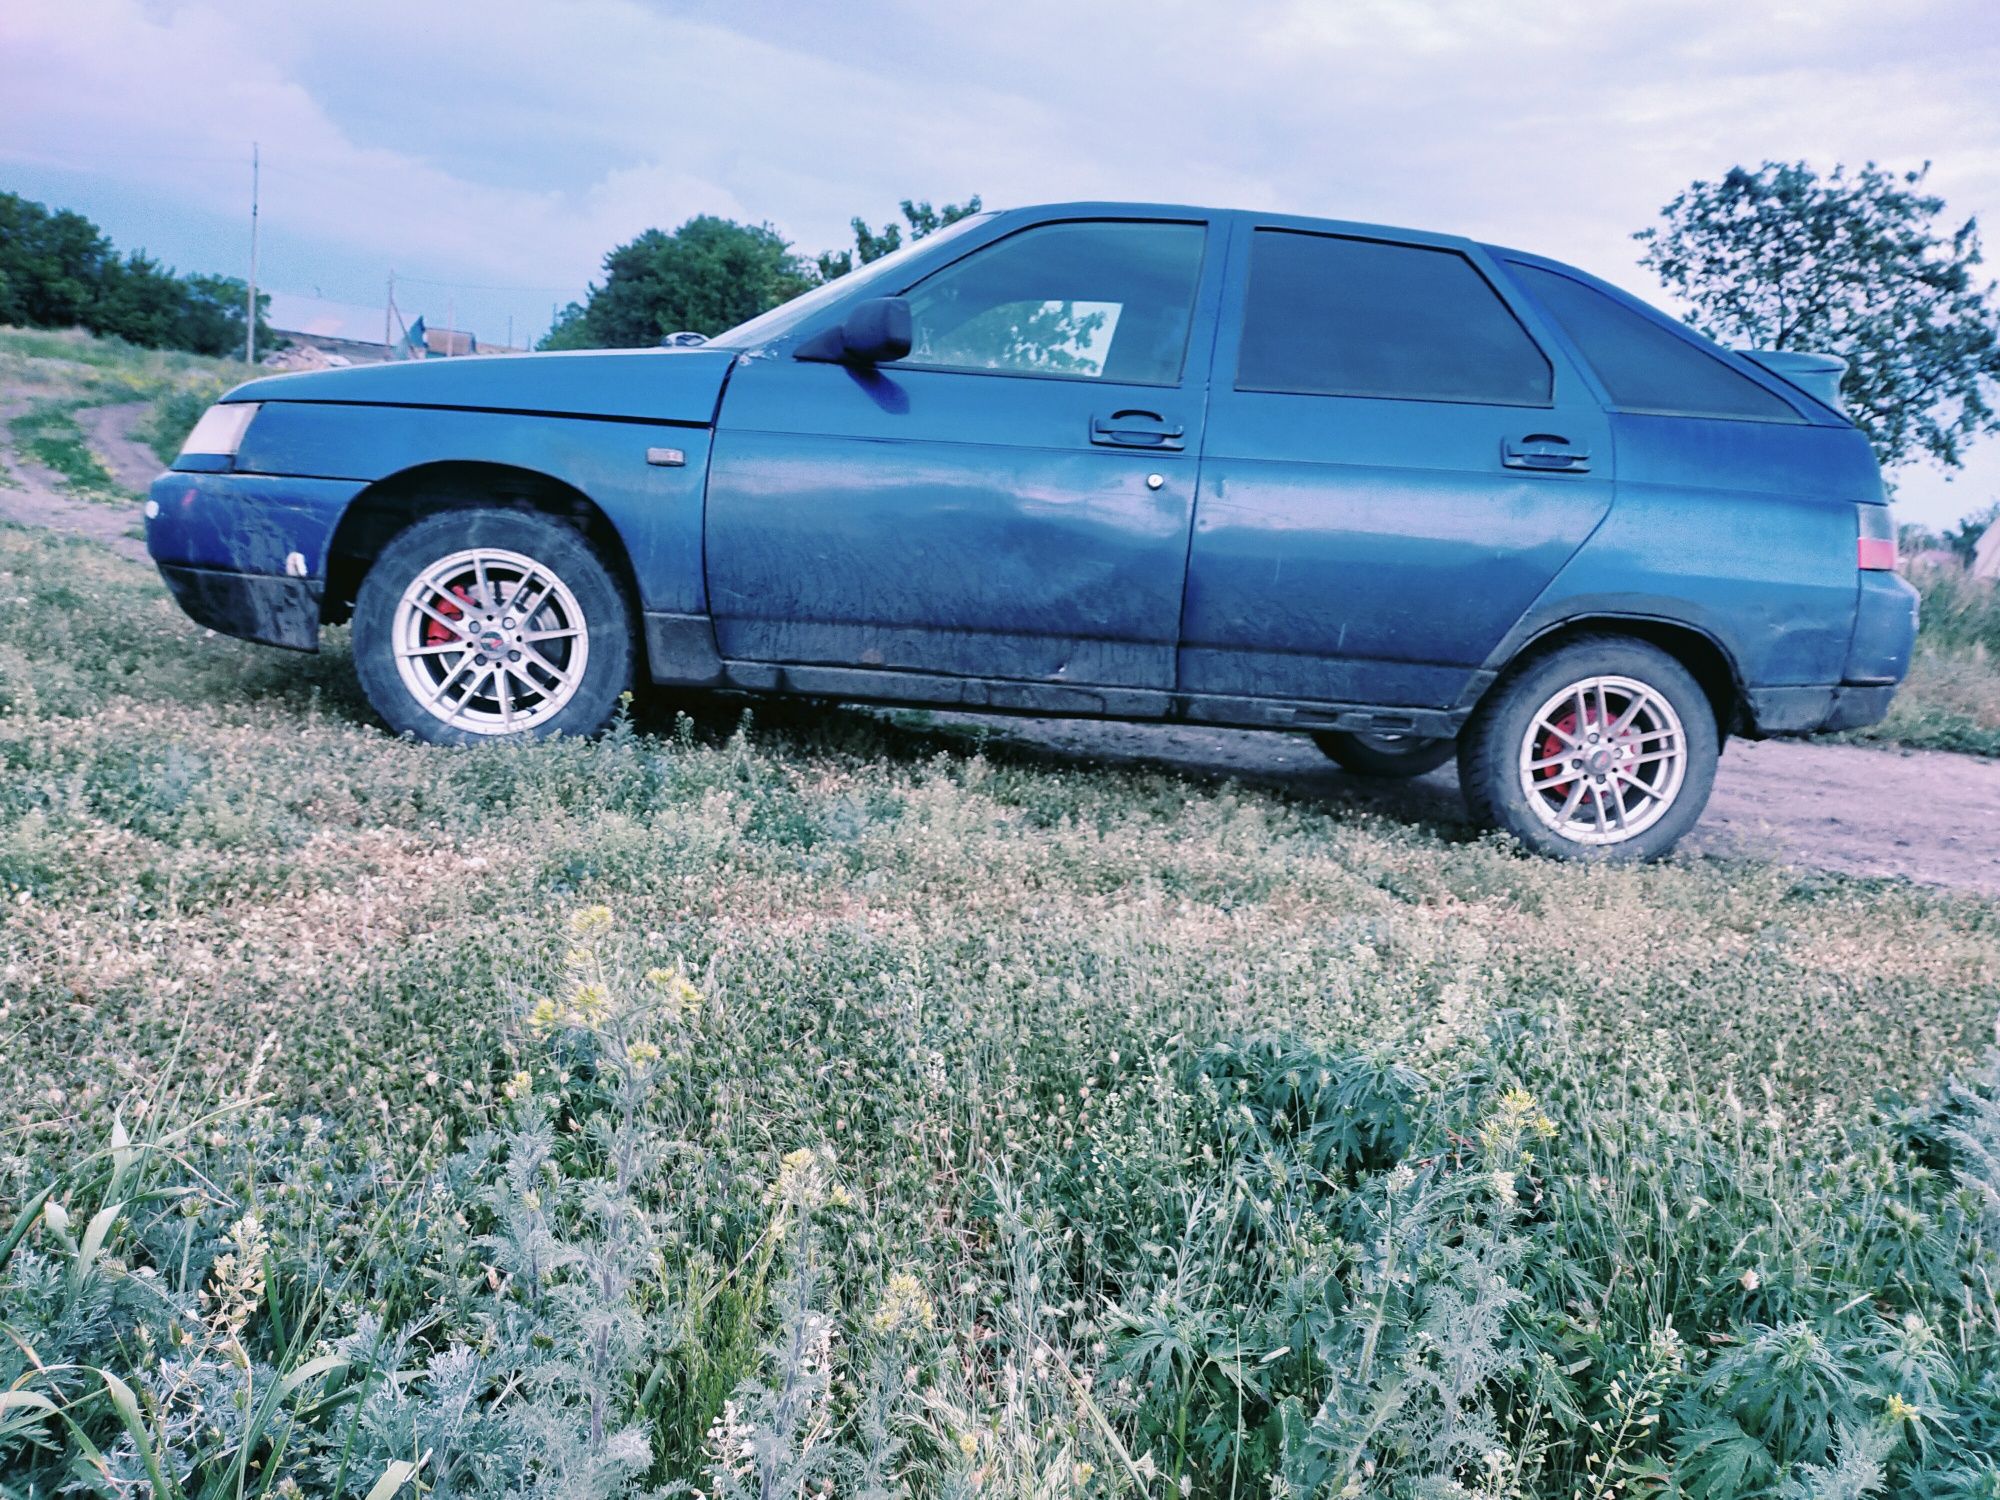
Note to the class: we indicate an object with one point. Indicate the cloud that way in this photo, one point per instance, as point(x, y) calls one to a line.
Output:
point(514, 142)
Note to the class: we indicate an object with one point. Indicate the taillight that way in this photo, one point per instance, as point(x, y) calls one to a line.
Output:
point(1875, 551)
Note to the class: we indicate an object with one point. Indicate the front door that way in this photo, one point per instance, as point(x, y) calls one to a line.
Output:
point(1012, 500)
point(1395, 469)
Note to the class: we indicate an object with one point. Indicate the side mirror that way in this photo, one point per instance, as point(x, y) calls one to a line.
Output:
point(874, 332)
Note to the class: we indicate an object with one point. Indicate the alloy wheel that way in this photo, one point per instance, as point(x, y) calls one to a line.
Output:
point(1603, 760)
point(490, 641)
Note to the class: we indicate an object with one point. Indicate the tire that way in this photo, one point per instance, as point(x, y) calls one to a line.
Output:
point(436, 664)
point(1393, 756)
point(1651, 779)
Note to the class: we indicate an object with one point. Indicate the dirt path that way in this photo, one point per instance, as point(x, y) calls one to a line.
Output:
point(1922, 814)
point(111, 430)
point(32, 496)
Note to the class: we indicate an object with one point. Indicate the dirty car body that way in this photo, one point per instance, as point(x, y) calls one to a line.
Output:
point(1141, 462)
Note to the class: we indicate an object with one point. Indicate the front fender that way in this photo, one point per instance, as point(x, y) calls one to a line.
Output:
point(655, 507)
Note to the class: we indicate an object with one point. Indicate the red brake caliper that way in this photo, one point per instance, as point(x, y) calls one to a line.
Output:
point(1552, 745)
point(435, 634)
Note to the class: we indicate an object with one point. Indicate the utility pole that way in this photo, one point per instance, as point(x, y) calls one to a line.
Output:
point(388, 311)
point(451, 324)
point(250, 333)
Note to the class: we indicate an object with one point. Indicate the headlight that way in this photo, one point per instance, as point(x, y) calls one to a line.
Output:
point(220, 431)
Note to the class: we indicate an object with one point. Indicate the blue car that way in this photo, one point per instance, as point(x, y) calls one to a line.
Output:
point(1410, 494)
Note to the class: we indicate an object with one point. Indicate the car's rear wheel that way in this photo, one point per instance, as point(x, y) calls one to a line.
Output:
point(1397, 756)
point(475, 625)
point(1604, 748)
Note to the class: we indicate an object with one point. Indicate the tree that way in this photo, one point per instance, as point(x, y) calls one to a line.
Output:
point(708, 275)
point(1854, 264)
point(711, 274)
point(52, 265)
point(58, 270)
point(871, 244)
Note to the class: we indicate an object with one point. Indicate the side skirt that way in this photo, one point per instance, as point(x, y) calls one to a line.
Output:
point(680, 652)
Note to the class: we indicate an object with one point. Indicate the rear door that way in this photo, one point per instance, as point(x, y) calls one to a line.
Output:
point(1396, 466)
point(1013, 500)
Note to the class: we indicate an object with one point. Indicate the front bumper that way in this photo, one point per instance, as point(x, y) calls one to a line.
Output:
point(254, 606)
point(245, 554)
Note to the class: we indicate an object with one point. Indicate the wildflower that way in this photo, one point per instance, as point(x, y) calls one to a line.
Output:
point(1503, 1186)
point(591, 921)
point(643, 1053)
point(802, 1179)
point(968, 1443)
point(1899, 1411)
point(519, 1084)
point(683, 999)
point(1082, 1472)
point(590, 1006)
point(545, 1016)
point(904, 1306)
point(1751, 1280)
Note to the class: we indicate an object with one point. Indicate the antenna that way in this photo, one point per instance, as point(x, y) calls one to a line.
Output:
point(250, 332)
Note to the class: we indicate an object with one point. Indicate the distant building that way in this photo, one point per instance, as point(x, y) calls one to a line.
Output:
point(423, 342)
point(318, 351)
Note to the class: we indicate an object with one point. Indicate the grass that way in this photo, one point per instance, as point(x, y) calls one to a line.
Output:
point(812, 1100)
point(57, 374)
point(49, 434)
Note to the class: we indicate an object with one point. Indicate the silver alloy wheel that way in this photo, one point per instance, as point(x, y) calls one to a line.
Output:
point(491, 642)
point(1603, 760)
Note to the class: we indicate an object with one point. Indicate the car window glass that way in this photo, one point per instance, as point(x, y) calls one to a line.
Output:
point(1644, 365)
point(1332, 316)
point(1093, 301)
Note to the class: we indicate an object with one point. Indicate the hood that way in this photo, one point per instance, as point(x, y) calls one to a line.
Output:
point(653, 385)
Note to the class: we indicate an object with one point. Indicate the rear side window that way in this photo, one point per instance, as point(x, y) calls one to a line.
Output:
point(1329, 316)
point(1644, 366)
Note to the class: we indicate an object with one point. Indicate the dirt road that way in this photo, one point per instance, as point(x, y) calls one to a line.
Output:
point(1924, 815)
point(31, 496)
point(1921, 814)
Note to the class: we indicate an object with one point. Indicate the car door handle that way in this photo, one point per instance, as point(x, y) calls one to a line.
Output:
point(1133, 428)
point(1544, 451)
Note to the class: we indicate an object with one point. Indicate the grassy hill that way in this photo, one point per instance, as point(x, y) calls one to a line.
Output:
point(811, 1101)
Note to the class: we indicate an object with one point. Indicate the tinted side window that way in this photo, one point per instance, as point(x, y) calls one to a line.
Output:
point(1644, 366)
point(1340, 317)
point(1093, 301)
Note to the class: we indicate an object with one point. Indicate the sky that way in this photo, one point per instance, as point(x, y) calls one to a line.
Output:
point(490, 153)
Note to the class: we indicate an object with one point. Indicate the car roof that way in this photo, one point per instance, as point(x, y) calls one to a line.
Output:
point(1102, 208)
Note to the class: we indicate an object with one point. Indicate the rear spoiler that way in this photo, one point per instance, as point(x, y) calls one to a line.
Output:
point(1818, 375)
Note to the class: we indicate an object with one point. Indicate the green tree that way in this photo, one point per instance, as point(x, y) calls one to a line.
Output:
point(708, 275)
point(58, 270)
point(52, 265)
point(1855, 264)
point(871, 244)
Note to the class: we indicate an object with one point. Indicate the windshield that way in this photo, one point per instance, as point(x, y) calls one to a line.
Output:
point(786, 316)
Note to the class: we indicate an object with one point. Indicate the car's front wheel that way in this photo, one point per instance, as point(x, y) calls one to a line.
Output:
point(475, 625)
point(1605, 748)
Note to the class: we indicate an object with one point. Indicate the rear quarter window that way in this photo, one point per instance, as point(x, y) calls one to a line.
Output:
point(1643, 365)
